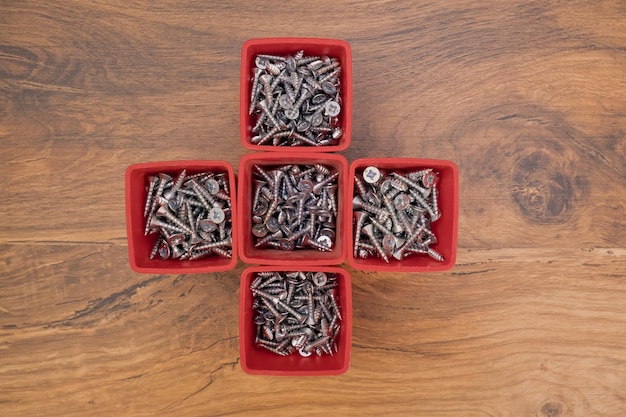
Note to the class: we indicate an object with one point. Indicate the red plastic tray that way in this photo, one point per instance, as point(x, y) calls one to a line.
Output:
point(257, 360)
point(139, 246)
point(270, 256)
point(335, 48)
point(445, 228)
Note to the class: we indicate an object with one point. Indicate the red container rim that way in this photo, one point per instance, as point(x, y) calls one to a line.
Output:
point(346, 326)
point(177, 267)
point(450, 214)
point(295, 43)
point(335, 257)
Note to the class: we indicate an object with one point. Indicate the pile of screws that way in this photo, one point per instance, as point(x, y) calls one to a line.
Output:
point(296, 100)
point(294, 206)
point(393, 213)
point(192, 215)
point(296, 311)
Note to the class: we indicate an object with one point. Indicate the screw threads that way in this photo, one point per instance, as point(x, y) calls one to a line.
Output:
point(359, 204)
point(226, 242)
point(264, 241)
point(153, 183)
point(360, 186)
point(370, 234)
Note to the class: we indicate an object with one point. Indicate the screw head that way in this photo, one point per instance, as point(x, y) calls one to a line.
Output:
point(332, 108)
point(272, 224)
point(430, 179)
point(286, 244)
point(319, 279)
point(303, 126)
point(164, 250)
point(213, 186)
point(217, 215)
point(304, 353)
point(265, 79)
point(329, 88)
point(260, 208)
point(317, 119)
point(260, 62)
point(259, 230)
point(371, 175)
point(306, 186)
point(176, 239)
point(291, 64)
point(328, 232)
point(207, 225)
point(325, 240)
point(285, 102)
point(175, 202)
point(401, 201)
point(388, 243)
point(318, 99)
point(385, 185)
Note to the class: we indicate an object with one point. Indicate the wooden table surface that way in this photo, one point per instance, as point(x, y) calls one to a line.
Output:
point(528, 98)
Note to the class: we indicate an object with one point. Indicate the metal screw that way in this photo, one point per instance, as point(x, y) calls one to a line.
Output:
point(152, 183)
point(359, 218)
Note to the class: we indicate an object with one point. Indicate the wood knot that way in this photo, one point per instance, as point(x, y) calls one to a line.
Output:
point(551, 409)
point(17, 63)
point(542, 190)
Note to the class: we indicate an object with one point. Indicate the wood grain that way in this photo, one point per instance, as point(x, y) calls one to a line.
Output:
point(527, 98)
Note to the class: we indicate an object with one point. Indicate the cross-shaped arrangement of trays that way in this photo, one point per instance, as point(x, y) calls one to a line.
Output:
point(296, 210)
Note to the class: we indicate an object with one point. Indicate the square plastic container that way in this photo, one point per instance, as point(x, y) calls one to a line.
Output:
point(271, 256)
point(334, 48)
point(140, 246)
point(257, 360)
point(445, 228)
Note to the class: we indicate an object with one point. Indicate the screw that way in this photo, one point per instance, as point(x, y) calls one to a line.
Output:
point(369, 232)
point(358, 203)
point(359, 217)
point(152, 183)
point(163, 211)
point(254, 92)
point(371, 175)
point(176, 186)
